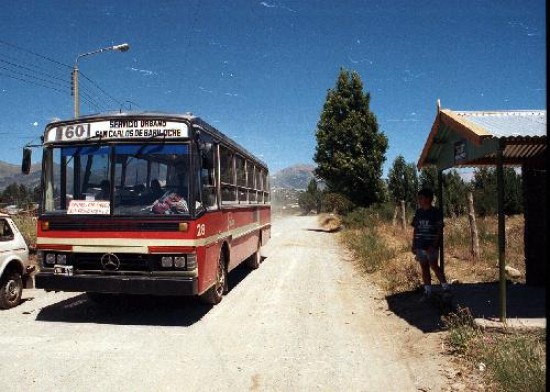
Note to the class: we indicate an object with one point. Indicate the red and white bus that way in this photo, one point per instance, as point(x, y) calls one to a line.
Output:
point(147, 203)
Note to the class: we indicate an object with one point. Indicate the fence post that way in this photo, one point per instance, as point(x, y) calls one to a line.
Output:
point(473, 227)
point(403, 216)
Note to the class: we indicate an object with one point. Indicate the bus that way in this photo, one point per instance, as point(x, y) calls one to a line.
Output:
point(149, 204)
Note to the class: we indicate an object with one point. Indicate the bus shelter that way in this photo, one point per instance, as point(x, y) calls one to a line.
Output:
point(499, 138)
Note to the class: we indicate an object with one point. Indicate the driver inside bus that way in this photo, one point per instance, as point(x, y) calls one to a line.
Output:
point(172, 202)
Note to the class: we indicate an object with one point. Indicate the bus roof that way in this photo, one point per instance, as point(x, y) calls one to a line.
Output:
point(188, 117)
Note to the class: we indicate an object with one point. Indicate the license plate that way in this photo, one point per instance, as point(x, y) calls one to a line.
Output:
point(66, 270)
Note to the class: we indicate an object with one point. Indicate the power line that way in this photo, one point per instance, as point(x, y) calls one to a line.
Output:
point(45, 73)
point(32, 82)
point(34, 54)
point(100, 89)
point(23, 74)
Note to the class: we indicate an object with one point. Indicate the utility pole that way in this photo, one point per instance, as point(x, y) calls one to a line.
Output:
point(74, 75)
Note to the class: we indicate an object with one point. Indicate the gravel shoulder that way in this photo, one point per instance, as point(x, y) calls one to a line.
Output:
point(305, 320)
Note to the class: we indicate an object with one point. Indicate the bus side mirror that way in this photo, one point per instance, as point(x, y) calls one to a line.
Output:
point(26, 163)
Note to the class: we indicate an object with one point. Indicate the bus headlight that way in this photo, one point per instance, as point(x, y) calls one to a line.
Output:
point(179, 261)
point(166, 261)
point(61, 259)
point(50, 258)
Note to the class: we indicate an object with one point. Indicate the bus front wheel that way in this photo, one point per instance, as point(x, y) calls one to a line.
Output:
point(215, 293)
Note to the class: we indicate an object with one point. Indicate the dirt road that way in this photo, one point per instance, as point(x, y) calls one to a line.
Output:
point(304, 321)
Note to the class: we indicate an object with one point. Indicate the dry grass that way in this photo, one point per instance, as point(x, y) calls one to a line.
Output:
point(513, 361)
point(399, 272)
point(27, 227)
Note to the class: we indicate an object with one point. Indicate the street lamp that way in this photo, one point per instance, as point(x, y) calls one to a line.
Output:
point(76, 92)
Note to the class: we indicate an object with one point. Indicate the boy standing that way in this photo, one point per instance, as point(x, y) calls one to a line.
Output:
point(427, 235)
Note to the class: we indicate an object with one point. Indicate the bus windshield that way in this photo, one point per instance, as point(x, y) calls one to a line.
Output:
point(117, 179)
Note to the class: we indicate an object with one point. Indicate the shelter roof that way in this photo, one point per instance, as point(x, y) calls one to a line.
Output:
point(471, 138)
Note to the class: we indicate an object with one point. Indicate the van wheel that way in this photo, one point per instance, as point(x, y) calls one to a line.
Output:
point(11, 290)
point(215, 293)
point(253, 262)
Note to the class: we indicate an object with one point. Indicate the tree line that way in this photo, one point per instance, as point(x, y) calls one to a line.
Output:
point(350, 153)
point(404, 182)
point(20, 195)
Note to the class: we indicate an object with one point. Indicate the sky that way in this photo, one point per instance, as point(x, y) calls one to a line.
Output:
point(259, 71)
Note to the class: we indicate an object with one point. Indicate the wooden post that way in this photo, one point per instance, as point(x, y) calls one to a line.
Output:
point(403, 217)
point(473, 227)
point(440, 196)
point(501, 231)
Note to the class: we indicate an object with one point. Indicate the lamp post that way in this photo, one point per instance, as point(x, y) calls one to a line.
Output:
point(76, 91)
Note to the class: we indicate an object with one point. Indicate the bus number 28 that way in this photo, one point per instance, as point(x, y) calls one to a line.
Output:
point(201, 230)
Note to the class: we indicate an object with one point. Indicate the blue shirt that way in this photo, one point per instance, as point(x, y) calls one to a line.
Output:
point(427, 226)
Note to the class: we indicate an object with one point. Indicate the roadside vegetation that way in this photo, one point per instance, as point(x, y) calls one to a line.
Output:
point(27, 225)
point(507, 361)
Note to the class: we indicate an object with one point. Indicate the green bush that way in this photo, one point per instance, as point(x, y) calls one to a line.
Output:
point(369, 217)
point(336, 203)
point(369, 248)
point(462, 331)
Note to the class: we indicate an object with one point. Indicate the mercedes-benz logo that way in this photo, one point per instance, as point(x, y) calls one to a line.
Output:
point(110, 261)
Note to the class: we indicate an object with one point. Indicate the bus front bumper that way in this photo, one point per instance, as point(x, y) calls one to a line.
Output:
point(180, 286)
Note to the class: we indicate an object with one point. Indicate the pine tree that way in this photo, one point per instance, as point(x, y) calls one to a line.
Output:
point(455, 193)
point(350, 148)
point(310, 199)
point(428, 178)
point(485, 191)
point(403, 182)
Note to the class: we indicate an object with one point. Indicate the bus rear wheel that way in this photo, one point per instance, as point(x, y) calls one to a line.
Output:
point(215, 293)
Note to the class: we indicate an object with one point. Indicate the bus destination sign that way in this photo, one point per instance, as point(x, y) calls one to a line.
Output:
point(117, 130)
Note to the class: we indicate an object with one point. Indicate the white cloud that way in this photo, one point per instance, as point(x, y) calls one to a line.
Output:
point(205, 90)
point(363, 60)
point(144, 72)
point(276, 5)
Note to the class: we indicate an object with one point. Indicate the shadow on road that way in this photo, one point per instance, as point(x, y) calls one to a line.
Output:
point(482, 299)
point(422, 315)
point(317, 230)
point(127, 310)
point(135, 309)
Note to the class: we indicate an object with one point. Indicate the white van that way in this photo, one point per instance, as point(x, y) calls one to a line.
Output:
point(15, 270)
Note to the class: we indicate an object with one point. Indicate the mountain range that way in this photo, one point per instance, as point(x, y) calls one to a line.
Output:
point(293, 177)
point(10, 174)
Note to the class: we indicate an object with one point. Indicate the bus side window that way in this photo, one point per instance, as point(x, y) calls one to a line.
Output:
point(227, 176)
point(208, 181)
